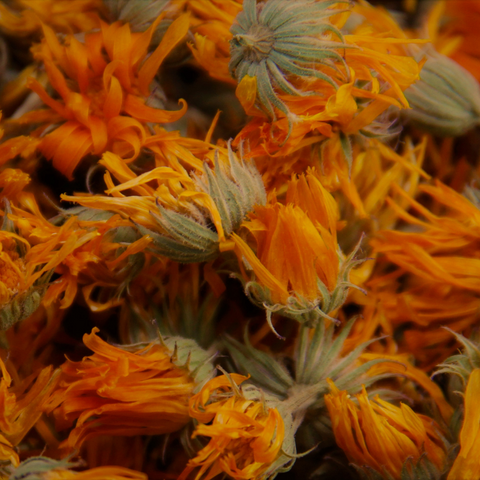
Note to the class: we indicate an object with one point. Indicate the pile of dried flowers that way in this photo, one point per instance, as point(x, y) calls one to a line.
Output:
point(238, 239)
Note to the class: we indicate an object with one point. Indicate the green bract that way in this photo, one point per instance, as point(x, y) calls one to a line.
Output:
point(278, 38)
point(446, 100)
point(234, 187)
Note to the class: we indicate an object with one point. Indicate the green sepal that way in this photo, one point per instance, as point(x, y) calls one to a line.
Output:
point(446, 99)
point(264, 370)
point(463, 363)
point(179, 252)
point(187, 354)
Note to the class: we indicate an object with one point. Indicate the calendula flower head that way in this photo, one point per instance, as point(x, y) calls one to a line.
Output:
point(163, 375)
point(277, 39)
point(231, 190)
point(44, 468)
point(376, 73)
point(105, 101)
point(467, 463)
point(385, 441)
point(446, 99)
point(247, 433)
point(188, 218)
point(298, 270)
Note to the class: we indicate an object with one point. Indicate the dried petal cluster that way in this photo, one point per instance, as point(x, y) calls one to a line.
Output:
point(238, 238)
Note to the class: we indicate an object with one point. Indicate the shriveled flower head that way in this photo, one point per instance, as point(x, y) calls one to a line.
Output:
point(188, 217)
point(104, 88)
point(465, 362)
point(371, 76)
point(377, 435)
point(128, 390)
point(246, 436)
point(298, 269)
point(44, 468)
point(277, 39)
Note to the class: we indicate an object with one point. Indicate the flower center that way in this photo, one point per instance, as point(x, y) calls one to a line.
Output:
point(256, 43)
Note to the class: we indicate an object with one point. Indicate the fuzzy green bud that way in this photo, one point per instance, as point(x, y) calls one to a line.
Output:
point(446, 99)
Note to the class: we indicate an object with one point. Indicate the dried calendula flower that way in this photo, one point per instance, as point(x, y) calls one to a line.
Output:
point(140, 389)
point(248, 434)
point(277, 39)
point(188, 217)
point(298, 269)
point(446, 99)
point(230, 191)
point(381, 438)
point(103, 86)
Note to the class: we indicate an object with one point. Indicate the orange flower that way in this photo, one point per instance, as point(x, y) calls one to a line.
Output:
point(121, 391)
point(467, 464)
point(246, 436)
point(368, 78)
point(298, 268)
point(110, 105)
point(176, 215)
point(436, 280)
point(381, 436)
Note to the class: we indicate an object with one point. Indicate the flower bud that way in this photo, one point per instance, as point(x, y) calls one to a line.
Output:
point(446, 99)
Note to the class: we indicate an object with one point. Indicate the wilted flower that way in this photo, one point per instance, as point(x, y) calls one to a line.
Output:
point(377, 435)
point(188, 217)
point(130, 390)
point(104, 100)
point(246, 434)
point(298, 269)
point(438, 266)
point(277, 39)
